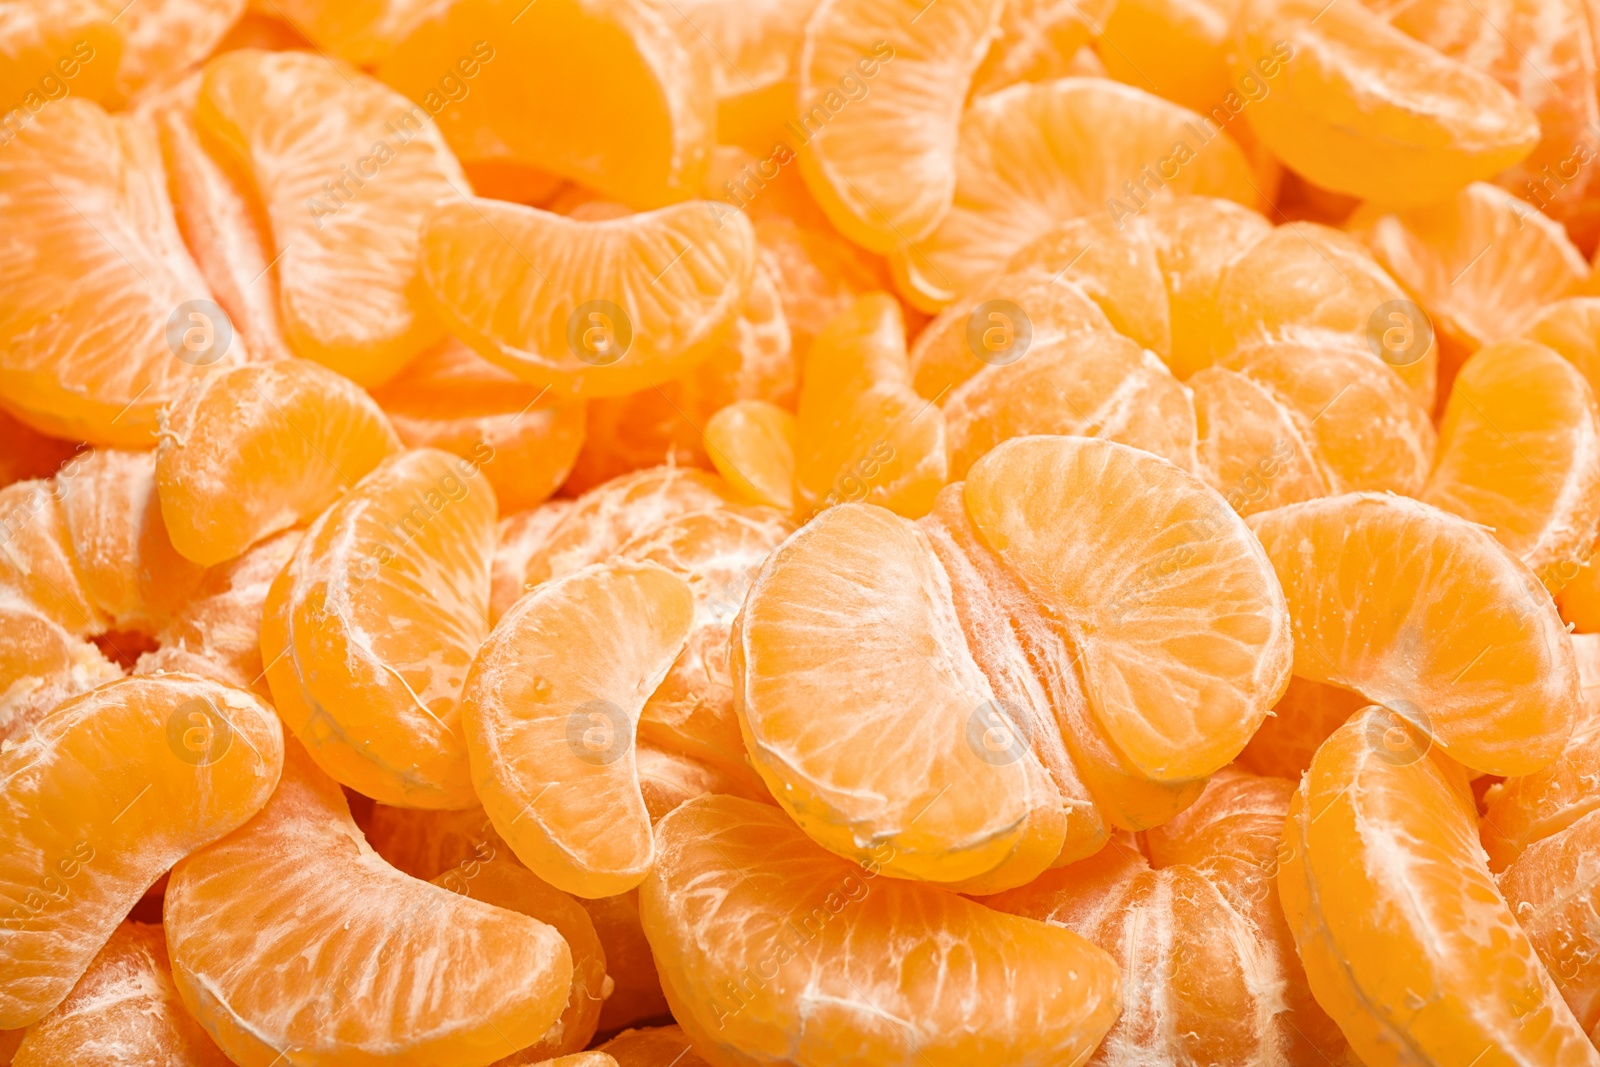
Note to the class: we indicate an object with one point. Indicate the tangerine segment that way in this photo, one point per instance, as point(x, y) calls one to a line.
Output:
point(756, 48)
point(1481, 262)
point(44, 45)
point(453, 399)
point(1192, 913)
point(1091, 384)
point(589, 308)
point(1036, 154)
point(346, 170)
point(1427, 613)
point(623, 90)
point(1571, 327)
point(879, 155)
point(853, 971)
point(506, 884)
point(660, 1046)
point(41, 665)
point(168, 35)
point(1406, 941)
point(519, 538)
point(1040, 40)
point(1251, 448)
point(752, 445)
point(717, 552)
point(292, 933)
point(861, 431)
point(1363, 109)
point(86, 301)
point(100, 799)
point(124, 1009)
point(608, 516)
point(39, 564)
point(551, 707)
point(360, 31)
point(1520, 455)
point(1180, 697)
point(258, 449)
point(368, 632)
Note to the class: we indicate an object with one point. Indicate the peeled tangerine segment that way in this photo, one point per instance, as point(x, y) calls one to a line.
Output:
point(1038, 153)
point(1429, 615)
point(1520, 454)
point(1362, 109)
point(915, 684)
point(292, 933)
point(623, 88)
point(770, 949)
point(125, 1009)
point(345, 169)
point(107, 793)
point(882, 86)
point(752, 444)
point(41, 665)
point(1406, 939)
point(589, 308)
point(551, 709)
point(85, 301)
point(259, 449)
point(368, 632)
point(658, 1046)
point(861, 431)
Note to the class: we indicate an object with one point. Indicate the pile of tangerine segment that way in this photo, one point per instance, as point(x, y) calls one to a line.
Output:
point(832, 533)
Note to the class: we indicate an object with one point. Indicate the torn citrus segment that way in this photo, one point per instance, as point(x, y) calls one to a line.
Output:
point(1427, 613)
point(752, 445)
point(882, 84)
point(331, 979)
point(1406, 939)
point(259, 449)
point(1363, 109)
point(1519, 454)
point(871, 977)
point(125, 1007)
point(624, 89)
point(195, 759)
point(551, 708)
point(345, 169)
point(589, 308)
point(368, 632)
point(86, 351)
point(861, 431)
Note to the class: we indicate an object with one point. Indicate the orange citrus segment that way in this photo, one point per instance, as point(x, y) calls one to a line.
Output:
point(1406, 941)
point(453, 399)
point(520, 537)
point(752, 445)
point(163, 36)
point(660, 1046)
point(79, 846)
point(551, 708)
point(1361, 108)
point(1036, 154)
point(882, 84)
point(884, 972)
point(85, 302)
point(41, 665)
point(361, 31)
point(125, 1007)
point(756, 52)
point(1519, 453)
point(1039, 40)
point(861, 431)
point(623, 90)
point(260, 448)
point(38, 565)
point(1428, 614)
point(48, 47)
point(284, 935)
point(589, 308)
point(368, 632)
point(346, 170)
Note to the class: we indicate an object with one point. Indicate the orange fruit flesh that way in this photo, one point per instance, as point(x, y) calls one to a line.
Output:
point(660, 1046)
point(980, 611)
point(192, 759)
point(1192, 911)
point(551, 708)
point(41, 665)
point(26, 453)
point(1406, 940)
point(68, 39)
point(519, 537)
point(1425, 612)
point(752, 444)
point(259, 449)
point(330, 979)
point(368, 632)
point(752, 924)
point(125, 1006)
